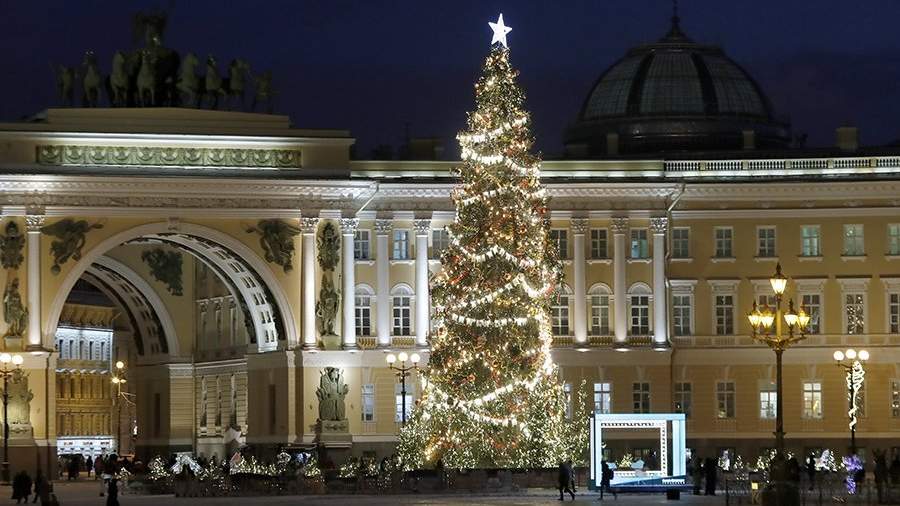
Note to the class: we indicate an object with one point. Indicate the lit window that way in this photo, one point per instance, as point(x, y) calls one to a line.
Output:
point(768, 398)
point(724, 238)
point(765, 242)
point(809, 241)
point(440, 239)
point(567, 390)
point(640, 244)
point(854, 242)
point(894, 239)
point(401, 244)
point(895, 398)
point(855, 313)
point(681, 314)
point(559, 313)
point(725, 399)
point(401, 311)
point(681, 242)
point(683, 400)
point(812, 399)
point(402, 402)
point(363, 310)
point(640, 315)
point(368, 403)
point(603, 397)
point(361, 245)
point(640, 395)
point(599, 243)
point(724, 315)
point(812, 304)
point(894, 313)
point(560, 238)
point(599, 312)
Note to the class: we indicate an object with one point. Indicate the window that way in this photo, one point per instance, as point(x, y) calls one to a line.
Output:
point(640, 245)
point(401, 311)
point(894, 313)
point(440, 239)
point(401, 245)
point(640, 314)
point(599, 312)
point(766, 299)
point(640, 396)
point(361, 245)
point(683, 402)
point(681, 242)
point(812, 304)
point(768, 398)
point(567, 390)
point(681, 314)
point(603, 398)
point(724, 315)
point(893, 239)
point(725, 399)
point(724, 238)
point(855, 313)
point(895, 398)
point(363, 310)
point(812, 399)
point(559, 313)
point(809, 241)
point(765, 242)
point(560, 238)
point(368, 403)
point(402, 402)
point(598, 243)
point(854, 242)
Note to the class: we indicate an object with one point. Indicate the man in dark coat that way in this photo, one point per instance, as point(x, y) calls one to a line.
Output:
point(21, 487)
point(811, 470)
point(709, 469)
point(565, 480)
point(606, 476)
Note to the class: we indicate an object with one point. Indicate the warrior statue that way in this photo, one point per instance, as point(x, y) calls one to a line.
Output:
point(329, 243)
point(327, 306)
point(331, 393)
point(14, 312)
point(11, 245)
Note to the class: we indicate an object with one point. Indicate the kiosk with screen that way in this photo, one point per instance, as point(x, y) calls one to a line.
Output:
point(670, 426)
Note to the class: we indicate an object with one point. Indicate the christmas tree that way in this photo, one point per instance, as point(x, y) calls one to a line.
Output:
point(491, 395)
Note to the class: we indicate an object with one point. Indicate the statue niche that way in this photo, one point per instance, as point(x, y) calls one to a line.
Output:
point(11, 245)
point(276, 238)
point(331, 393)
point(19, 407)
point(327, 306)
point(165, 266)
point(14, 312)
point(70, 238)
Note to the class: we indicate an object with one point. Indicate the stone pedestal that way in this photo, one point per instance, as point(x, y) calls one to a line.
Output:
point(13, 343)
point(334, 440)
point(331, 342)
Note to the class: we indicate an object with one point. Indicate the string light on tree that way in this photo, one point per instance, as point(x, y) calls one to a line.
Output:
point(492, 395)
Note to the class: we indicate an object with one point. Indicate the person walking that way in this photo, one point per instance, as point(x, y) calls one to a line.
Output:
point(565, 481)
point(89, 465)
point(98, 467)
point(709, 470)
point(811, 470)
point(606, 476)
point(21, 487)
point(698, 475)
point(112, 493)
point(41, 488)
point(881, 474)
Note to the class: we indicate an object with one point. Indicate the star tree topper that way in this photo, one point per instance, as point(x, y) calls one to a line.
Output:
point(500, 31)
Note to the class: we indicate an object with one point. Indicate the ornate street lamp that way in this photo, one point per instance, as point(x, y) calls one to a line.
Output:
point(856, 374)
point(6, 372)
point(761, 322)
point(119, 381)
point(403, 371)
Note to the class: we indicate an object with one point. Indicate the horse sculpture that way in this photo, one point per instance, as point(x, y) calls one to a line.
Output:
point(188, 82)
point(118, 81)
point(213, 88)
point(237, 72)
point(65, 84)
point(146, 79)
point(90, 83)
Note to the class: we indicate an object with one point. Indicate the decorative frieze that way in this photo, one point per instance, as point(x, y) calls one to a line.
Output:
point(308, 225)
point(161, 156)
point(349, 225)
point(422, 227)
point(580, 225)
point(619, 225)
point(658, 225)
point(383, 227)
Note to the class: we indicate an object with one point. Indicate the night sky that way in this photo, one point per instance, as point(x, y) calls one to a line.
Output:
point(374, 66)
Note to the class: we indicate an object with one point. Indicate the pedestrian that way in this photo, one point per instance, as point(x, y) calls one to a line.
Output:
point(21, 487)
point(571, 475)
point(606, 476)
point(811, 470)
point(41, 488)
point(709, 471)
point(698, 475)
point(881, 474)
point(112, 493)
point(565, 480)
point(98, 467)
point(89, 465)
point(894, 470)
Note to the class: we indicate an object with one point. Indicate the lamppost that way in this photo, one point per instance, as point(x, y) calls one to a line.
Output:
point(761, 322)
point(403, 371)
point(6, 372)
point(119, 381)
point(856, 374)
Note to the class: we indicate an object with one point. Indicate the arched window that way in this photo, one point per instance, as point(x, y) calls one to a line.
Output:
point(559, 312)
point(401, 307)
point(363, 305)
point(600, 295)
point(639, 302)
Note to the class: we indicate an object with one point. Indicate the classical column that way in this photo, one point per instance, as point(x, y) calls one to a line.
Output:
point(383, 282)
point(660, 323)
point(423, 228)
point(33, 224)
point(619, 228)
point(308, 295)
point(579, 228)
point(348, 275)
